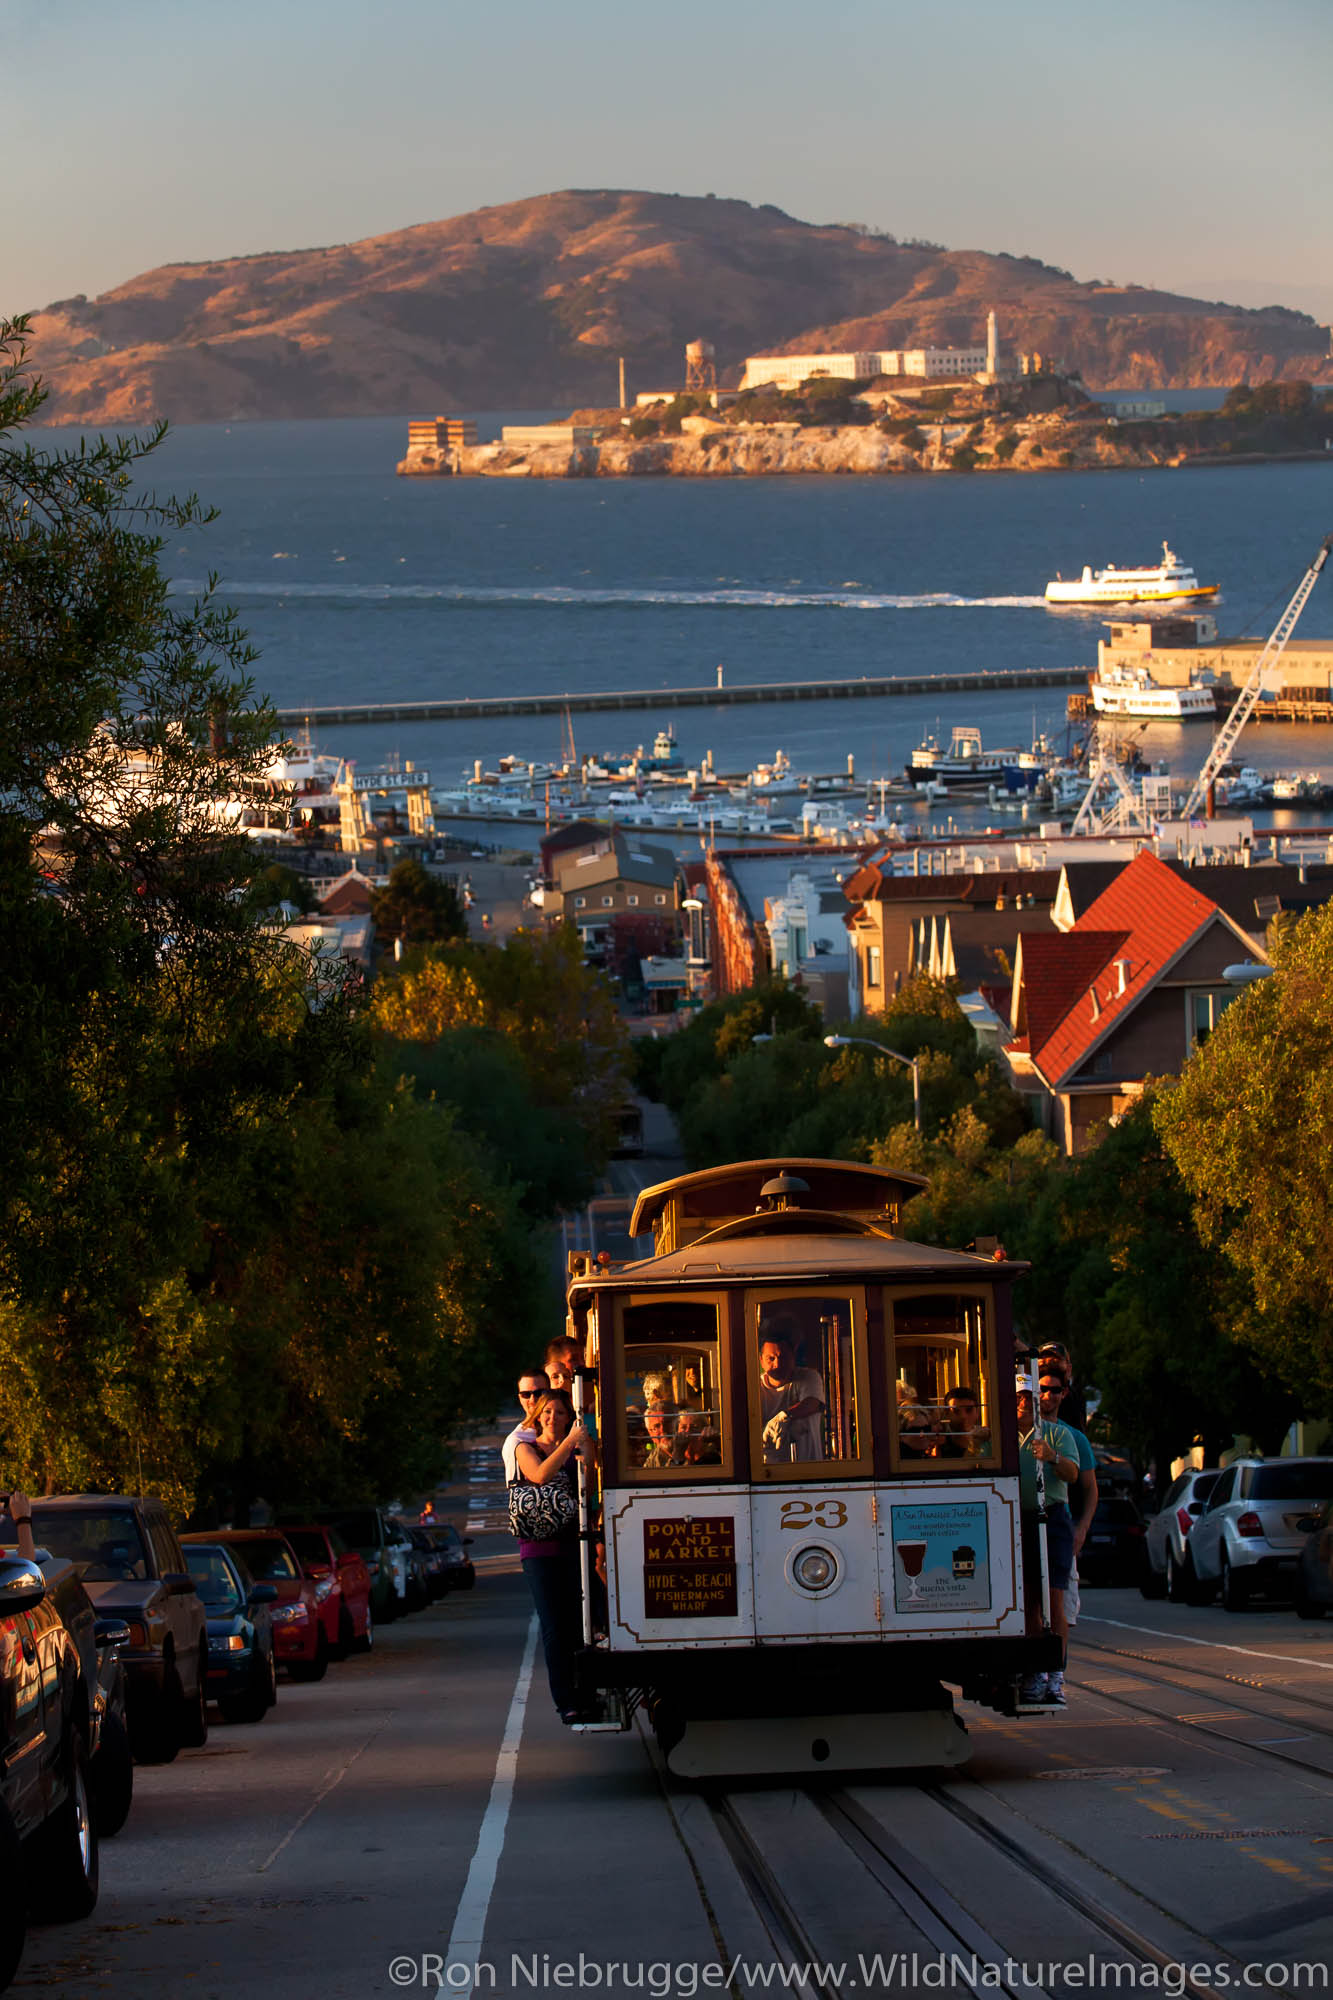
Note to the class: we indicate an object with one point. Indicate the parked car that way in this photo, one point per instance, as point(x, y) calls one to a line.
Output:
point(1113, 1552)
point(342, 1587)
point(431, 1559)
point(48, 1834)
point(299, 1644)
point(1249, 1537)
point(129, 1560)
point(242, 1666)
point(112, 1765)
point(1169, 1530)
point(1314, 1570)
point(367, 1530)
point(408, 1563)
point(459, 1573)
point(1115, 1473)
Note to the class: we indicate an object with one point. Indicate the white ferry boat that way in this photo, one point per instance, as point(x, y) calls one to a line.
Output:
point(1133, 691)
point(1168, 582)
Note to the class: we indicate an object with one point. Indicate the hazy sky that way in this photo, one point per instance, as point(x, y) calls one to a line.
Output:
point(1183, 143)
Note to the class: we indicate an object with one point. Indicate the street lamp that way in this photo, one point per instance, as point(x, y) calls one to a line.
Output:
point(864, 1042)
point(1246, 974)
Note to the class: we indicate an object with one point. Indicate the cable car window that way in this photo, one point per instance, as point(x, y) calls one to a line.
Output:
point(943, 1418)
point(808, 1386)
point(675, 1405)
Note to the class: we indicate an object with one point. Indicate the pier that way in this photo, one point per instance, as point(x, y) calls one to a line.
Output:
point(869, 687)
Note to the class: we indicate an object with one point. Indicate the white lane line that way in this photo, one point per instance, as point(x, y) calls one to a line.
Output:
point(1218, 1645)
point(334, 1779)
point(469, 1931)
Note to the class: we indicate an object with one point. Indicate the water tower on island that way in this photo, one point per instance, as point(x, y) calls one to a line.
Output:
point(701, 367)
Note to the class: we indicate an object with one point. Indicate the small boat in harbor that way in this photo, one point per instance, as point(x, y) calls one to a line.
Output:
point(1167, 582)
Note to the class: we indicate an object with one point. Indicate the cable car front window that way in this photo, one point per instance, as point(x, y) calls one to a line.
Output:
point(943, 1387)
point(675, 1408)
point(808, 1398)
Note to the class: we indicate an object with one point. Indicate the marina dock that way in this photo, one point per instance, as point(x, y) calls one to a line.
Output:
point(868, 687)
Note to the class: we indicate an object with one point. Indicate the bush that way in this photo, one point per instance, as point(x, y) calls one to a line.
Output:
point(963, 458)
point(1005, 447)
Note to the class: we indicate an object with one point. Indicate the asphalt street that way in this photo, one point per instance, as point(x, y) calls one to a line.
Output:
point(422, 1810)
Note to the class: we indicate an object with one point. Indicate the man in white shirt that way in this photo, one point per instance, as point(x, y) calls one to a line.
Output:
point(530, 1387)
point(791, 1405)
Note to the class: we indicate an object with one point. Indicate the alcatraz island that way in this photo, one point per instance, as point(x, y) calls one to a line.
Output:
point(908, 410)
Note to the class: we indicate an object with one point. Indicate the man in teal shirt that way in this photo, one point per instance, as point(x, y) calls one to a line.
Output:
point(1053, 1445)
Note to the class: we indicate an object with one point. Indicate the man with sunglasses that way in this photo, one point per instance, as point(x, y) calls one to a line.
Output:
point(531, 1385)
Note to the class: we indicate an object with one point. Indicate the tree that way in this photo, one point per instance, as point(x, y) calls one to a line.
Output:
point(1249, 1125)
point(417, 907)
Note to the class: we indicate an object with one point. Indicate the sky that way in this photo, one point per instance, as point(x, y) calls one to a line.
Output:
point(1178, 143)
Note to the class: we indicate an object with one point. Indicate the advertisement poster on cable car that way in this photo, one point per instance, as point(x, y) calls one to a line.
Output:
point(941, 1557)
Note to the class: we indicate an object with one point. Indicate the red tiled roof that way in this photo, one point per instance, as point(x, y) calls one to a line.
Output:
point(1058, 969)
point(1149, 915)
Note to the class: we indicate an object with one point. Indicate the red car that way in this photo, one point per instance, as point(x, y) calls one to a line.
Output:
point(299, 1641)
point(342, 1587)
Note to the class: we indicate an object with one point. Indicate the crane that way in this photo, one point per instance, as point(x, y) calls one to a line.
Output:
point(1247, 700)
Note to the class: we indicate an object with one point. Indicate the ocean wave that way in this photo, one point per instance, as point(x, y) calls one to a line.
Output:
point(539, 594)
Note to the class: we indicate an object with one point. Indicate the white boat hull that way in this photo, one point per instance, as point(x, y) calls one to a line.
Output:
point(1155, 704)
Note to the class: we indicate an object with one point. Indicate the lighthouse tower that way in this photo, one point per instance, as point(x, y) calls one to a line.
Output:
point(992, 346)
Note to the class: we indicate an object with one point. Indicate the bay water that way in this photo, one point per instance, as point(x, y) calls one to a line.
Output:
point(357, 585)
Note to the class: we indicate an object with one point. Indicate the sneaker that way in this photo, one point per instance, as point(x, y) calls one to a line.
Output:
point(1033, 1689)
point(1055, 1689)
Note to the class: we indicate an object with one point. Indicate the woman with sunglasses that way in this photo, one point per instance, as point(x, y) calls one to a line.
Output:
point(551, 1565)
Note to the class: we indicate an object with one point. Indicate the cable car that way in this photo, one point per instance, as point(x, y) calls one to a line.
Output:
point(805, 1544)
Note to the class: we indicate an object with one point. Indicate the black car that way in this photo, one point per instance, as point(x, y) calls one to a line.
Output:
point(242, 1671)
point(48, 1833)
point(459, 1573)
point(127, 1556)
point(1314, 1571)
point(1115, 1550)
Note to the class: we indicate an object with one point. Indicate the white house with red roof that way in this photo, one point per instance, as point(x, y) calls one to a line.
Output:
point(1125, 994)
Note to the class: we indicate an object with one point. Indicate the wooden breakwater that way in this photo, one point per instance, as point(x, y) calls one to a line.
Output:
point(472, 708)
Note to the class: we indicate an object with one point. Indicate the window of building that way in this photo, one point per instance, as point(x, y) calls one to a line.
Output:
point(674, 1414)
point(941, 1366)
point(1205, 1010)
point(659, 898)
point(807, 1382)
point(607, 902)
point(579, 902)
point(633, 902)
point(874, 966)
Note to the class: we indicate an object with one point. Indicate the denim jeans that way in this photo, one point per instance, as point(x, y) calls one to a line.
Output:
point(555, 1586)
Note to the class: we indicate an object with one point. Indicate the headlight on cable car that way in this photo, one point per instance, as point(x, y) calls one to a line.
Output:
point(815, 1569)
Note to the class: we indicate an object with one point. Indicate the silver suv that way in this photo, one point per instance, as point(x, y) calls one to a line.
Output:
point(1249, 1537)
point(1170, 1529)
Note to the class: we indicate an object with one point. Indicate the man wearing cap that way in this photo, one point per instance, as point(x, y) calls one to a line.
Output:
point(1051, 1444)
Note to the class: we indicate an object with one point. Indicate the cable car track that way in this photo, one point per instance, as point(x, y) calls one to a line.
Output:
point(1202, 1673)
point(1204, 1728)
point(945, 1926)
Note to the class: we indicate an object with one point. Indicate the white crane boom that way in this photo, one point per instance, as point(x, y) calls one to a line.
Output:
point(1247, 700)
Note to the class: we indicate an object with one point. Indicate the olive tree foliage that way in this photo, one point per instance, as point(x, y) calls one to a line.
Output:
point(1249, 1126)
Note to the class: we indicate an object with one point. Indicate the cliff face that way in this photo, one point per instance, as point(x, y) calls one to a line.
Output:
point(530, 304)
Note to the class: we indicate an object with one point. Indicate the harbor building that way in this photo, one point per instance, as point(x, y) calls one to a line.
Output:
point(434, 434)
point(922, 364)
point(788, 371)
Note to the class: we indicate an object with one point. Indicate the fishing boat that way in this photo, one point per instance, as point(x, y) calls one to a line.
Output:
point(1167, 582)
point(967, 766)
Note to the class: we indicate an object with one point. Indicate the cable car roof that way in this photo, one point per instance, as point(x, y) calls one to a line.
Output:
point(781, 1255)
point(680, 1210)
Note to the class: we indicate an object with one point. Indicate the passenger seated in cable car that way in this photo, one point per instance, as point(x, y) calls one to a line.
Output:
point(696, 1442)
point(916, 1433)
point(791, 1402)
point(659, 1419)
point(964, 1434)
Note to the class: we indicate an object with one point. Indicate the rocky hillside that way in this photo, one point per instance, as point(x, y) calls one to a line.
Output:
point(530, 304)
